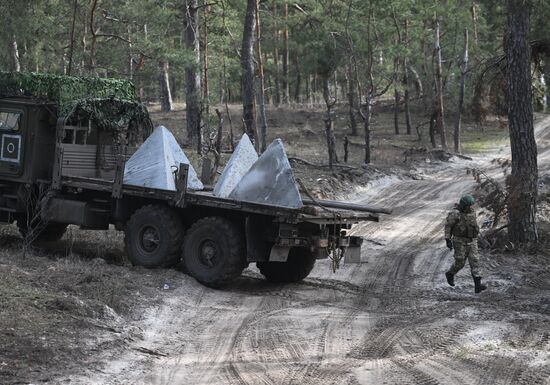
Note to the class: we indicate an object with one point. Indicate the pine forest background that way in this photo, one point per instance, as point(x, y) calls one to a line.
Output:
point(345, 52)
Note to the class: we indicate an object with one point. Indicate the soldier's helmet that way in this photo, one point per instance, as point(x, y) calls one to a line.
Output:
point(467, 200)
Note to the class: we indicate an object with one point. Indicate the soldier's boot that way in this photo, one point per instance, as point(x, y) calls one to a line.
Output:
point(479, 286)
point(450, 278)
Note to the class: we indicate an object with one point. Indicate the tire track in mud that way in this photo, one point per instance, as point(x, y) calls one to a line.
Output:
point(501, 370)
point(322, 361)
point(411, 348)
point(270, 339)
point(534, 376)
point(237, 360)
point(447, 370)
point(294, 365)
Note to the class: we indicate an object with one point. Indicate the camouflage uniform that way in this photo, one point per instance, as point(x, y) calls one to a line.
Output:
point(462, 228)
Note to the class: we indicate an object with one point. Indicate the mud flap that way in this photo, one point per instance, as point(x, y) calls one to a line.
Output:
point(353, 251)
point(279, 253)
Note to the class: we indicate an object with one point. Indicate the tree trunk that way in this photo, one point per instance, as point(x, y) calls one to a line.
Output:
point(93, 31)
point(286, 86)
point(16, 64)
point(226, 102)
point(298, 85)
point(406, 83)
point(367, 121)
point(335, 83)
point(440, 119)
point(71, 43)
point(396, 62)
point(277, 90)
point(205, 85)
point(84, 44)
point(329, 124)
point(474, 20)
point(261, 81)
point(397, 100)
point(522, 183)
point(367, 113)
point(130, 59)
point(346, 149)
point(142, 61)
point(433, 123)
point(408, 123)
point(417, 83)
point(463, 69)
point(427, 97)
point(352, 101)
point(308, 91)
point(247, 65)
point(193, 74)
point(164, 86)
point(547, 82)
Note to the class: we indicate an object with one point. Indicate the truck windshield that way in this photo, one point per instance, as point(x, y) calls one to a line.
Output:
point(9, 121)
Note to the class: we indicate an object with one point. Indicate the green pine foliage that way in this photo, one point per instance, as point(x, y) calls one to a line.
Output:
point(132, 37)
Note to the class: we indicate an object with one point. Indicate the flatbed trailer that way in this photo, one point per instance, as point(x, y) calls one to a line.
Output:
point(64, 174)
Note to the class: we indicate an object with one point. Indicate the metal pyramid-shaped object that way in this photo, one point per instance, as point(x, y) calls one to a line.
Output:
point(238, 165)
point(155, 161)
point(270, 180)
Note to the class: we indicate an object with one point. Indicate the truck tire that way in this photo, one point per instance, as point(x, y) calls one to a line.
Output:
point(214, 251)
point(298, 265)
point(53, 232)
point(153, 237)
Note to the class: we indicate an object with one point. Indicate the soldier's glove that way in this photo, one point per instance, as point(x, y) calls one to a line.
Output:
point(449, 243)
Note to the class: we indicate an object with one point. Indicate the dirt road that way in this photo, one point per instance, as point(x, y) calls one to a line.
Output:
point(390, 320)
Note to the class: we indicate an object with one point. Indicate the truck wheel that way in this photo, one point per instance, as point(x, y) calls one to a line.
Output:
point(153, 237)
point(299, 264)
point(213, 251)
point(53, 232)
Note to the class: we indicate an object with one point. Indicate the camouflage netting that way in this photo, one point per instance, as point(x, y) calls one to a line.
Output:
point(115, 115)
point(64, 91)
point(110, 104)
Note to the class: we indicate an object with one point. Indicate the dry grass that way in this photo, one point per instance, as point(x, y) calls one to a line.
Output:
point(59, 308)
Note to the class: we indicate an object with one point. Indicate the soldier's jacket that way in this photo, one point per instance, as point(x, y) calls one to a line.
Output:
point(461, 224)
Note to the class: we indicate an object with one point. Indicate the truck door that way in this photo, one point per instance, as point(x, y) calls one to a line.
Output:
point(11, 141)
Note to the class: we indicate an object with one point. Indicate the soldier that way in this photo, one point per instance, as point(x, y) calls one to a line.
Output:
point(461, 231)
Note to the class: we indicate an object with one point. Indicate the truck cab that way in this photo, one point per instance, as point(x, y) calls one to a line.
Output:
point(27, 149)
point(27, 139)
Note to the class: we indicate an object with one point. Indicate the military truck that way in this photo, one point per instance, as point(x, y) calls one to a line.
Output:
point(64, 164)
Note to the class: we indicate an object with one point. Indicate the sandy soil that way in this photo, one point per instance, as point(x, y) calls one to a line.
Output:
point(390, 320)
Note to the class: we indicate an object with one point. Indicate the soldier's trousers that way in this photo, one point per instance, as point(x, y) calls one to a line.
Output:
point(466, 250)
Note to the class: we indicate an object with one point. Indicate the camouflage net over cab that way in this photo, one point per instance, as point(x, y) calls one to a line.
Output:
point(114, 115)
point(109, 104)
point(65, 91)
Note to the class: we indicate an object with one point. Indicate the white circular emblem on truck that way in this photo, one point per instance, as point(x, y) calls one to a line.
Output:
point(11, 148)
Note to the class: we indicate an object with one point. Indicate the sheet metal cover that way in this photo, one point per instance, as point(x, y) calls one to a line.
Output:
point(238, 165)
point(153, 164)
point(270, 180)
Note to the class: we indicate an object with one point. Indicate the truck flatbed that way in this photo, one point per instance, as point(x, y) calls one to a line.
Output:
point(207, 199)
